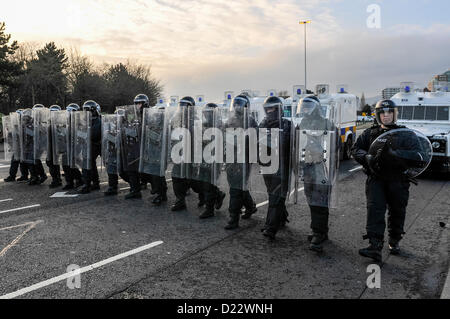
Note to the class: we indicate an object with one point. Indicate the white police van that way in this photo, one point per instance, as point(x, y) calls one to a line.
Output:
point(428, 113)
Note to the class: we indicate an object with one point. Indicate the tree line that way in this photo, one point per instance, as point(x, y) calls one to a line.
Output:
point(48, 74)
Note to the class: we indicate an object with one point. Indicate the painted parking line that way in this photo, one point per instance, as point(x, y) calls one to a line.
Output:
point(30, 225)
point(19, 208)
point(65, 276)
point(356, 169)
point(5, 200)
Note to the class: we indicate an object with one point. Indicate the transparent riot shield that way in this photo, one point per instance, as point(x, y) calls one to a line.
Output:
point(60, 123)
point(208, 145)
point(240, 146)
point(15, 122)
point(8, 137)
point(130, 132)
point(273, 173)
point(81, 140)
point(154, 143)
point(41, 117)
point(400, 153)
point(317, 158)
point(179, 142)
point(27, 137)
point(111, 143)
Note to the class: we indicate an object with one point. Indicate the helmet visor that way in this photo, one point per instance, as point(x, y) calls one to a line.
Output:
point(386, 115)
point(239, 102)
point(306, 107)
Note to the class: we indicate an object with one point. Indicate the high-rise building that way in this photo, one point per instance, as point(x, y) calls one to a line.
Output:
point(439, 82)
point(387, 93)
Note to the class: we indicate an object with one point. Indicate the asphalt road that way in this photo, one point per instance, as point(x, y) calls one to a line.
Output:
point(130, 249)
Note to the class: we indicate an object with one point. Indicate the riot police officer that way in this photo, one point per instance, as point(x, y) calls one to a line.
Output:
point(55, 170)
point(181, 179)
point(390, 190)
point(91, 175)
point(15, 164)
point(212, 197)
point(72, 175)
point(317, 173)
point(277, 184)
point(238, 173)
point(37, 172)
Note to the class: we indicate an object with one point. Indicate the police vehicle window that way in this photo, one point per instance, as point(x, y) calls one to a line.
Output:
point(400, 110)
point(442, 113)
point(419, 112)
point(430, 113)
point(407, 112)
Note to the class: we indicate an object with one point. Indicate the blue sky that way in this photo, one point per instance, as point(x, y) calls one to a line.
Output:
point(206, 47)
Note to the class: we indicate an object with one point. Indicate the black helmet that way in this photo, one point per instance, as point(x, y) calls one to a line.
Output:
point(142, 98)
point(187, 101)
point(38, 106)
point(72, 107)
point(92, 107)
point(211, 105)
point(55, 108)
point(273, 107)
point(308, 105)
point(240, 102)
point(386, 106)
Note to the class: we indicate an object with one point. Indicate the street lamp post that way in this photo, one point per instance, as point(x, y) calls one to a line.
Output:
point(305, 22)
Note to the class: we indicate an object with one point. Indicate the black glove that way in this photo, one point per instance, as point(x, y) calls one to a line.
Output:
point(372, 163)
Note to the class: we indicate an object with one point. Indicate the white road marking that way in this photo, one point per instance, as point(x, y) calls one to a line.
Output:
point(63, 195)
point(65, 276)
point(5, 200)
point(18, 238)
point(356, 169)
point(4, 166)
point(19, 208)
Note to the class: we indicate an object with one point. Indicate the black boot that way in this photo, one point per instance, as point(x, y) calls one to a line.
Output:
point(78, 183)
point(33, 181)
point(233, 222)
point(219, 201)
point(179, 205)
point(95, 186)
point(68, 187)
point(268, 233)
point(158, 200)
point(133, 195)
point(86, 189)
point(209, 212)
point(317, 239)
point(10, 179)
point(42, 179)
point(55, 183)
point(111, 191)
point(394, 247)
point(248, 213)
point(22, 179)
point(374, 249)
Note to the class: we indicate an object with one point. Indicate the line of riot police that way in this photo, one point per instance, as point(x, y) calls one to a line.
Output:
point(208, 149)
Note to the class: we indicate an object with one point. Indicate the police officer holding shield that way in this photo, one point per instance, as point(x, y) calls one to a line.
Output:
point(15, 159)
point(54, 169)
point(387, 185)
point(90, 175)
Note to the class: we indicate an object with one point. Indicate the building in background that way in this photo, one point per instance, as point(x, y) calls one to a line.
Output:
point(439, 82)
point(387, 93)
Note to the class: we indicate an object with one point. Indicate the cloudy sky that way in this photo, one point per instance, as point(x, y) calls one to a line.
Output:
point(211, 46)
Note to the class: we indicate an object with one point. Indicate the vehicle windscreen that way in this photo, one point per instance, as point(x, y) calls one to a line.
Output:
point(420, 112)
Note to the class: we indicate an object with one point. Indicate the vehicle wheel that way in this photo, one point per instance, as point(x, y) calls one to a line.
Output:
point(348, 148)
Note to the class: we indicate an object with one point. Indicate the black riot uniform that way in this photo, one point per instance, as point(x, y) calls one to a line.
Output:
point(388, 191)
point(37, 172)
point(213, 197)
point(158, 182)
point(71, 175)
point(317, 195)
point(277, 184)
point(55, 170)
point(15, 164)
point(239, 173)
point(91, 175)
point(182, 185)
